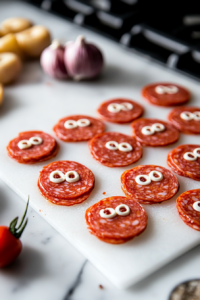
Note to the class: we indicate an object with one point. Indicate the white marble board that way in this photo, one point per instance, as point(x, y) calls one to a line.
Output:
point(37, 102)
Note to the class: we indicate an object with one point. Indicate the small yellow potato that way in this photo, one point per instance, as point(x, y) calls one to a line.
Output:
point(14, 25)
point(8, 43)
point(1, 94)
point(34, 40)
point(10, 67)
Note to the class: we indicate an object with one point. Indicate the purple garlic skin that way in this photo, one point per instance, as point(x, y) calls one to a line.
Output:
point(82, 60)
point(52, 61)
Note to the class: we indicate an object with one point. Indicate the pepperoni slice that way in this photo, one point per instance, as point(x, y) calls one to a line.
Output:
point(182, 166)
point(114, 158)
point(36, 153)
point(188, 206)
point(186, 119)
point(118, 229)
point(78, 134)
point(124, 115)
point(158, 138)
point(73, 192)
point(155, 191)
point(173, 95)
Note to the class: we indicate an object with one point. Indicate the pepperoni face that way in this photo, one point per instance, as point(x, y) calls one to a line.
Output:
point(66, 191)
point(181, 164)
point(115, 158)
point(155, 138)
point(165, 94)
point(188, 206)
point(42, 147)
point(122, 112)
point(186, 119)
point(120, 228)
point(78, 132)
point(158, 188)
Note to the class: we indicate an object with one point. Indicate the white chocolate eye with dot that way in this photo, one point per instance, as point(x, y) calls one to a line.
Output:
point(108, 213)
point(156, 127)
point(196, 206)
point(83, 122)
point(25, 144)
point(122, 210)
point(124, 147)
point(191, 156)
point(146, 179)
point(116, 107)
point(71, 124)
point(161, 89)
point(58, 176)
point(188, 116)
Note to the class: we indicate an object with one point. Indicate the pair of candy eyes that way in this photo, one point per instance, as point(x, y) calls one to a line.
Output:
point(161, 89)
point(58, 176)
point(35, 140)
point(116, 107)
point(124, 147)
point(196, 206)
point(149, 130)
point(188, 116)
point(192, 155)
point(146, 179)
point(109, 213)
point(70, 124)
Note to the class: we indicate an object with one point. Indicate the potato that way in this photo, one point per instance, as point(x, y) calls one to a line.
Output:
point(34, 40)
point(14, 25)
point(10, 67)
point(8, 43)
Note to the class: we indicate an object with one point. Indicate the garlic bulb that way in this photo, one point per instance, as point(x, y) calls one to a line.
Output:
point(82, 60)
point(52, 61)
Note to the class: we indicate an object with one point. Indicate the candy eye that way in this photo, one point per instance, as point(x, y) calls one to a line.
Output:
point(125, 147)
point(197, 152)
point(196, 115)
point(24, 144)
point(114, 107)
point(72, 176)
point(186, 115)
point(148, 130)
point(70, 124)
point(126, 106)
point(190, 156)
point(196, 206)
point(122, 210)
point(160, 89)
point(143, 179)
point(112, 145)
point(35, 140)
point(155, 176)
point(158, 127)
point(108, 213)
point(172, 89)
point(57, 177)
point(83, 122)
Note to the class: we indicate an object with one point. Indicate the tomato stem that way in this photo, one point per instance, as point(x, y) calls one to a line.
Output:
point(17, 231)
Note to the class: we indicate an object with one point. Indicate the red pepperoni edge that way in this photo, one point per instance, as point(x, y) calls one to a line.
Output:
point(185, 210)
point(188, 127)
point(80, 133)
point(52, 153)
point(169, 136)
point(154, 192)
point(181, 97)
point(111, 231)
point(122, 116)
point(116, 159)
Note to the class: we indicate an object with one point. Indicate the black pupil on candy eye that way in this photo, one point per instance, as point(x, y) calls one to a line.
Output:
point(70, 123)
point(198, 204)
point(25, 143)
point(143, 179)
point(71, 175)
point(124, 146)
point(107, 212)
point(35, 140)
point(148, 129)
point(191, 155)
point(122, 209)
point(56, 176)
point(155, 175)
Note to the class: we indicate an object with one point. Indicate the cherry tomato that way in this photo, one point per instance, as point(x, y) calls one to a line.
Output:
point(10, 245)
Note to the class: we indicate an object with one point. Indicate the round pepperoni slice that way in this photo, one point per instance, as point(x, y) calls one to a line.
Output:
point(65, 190)
point(186, 119)
point(120, 110)
point(114, 149)
point(129, 219)
point(188, 206)
point(36, 152)
point(165, 94)
point(185, 161)
point(81, 128)
point(149, 184)
point(154, 133)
